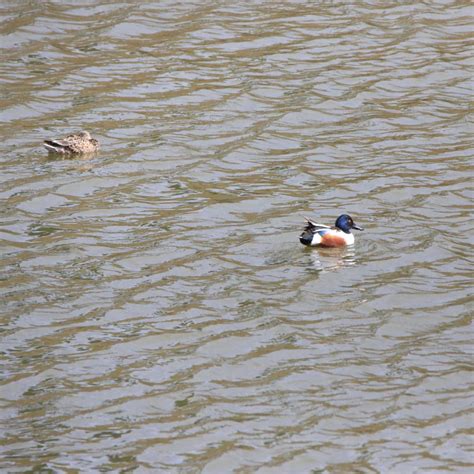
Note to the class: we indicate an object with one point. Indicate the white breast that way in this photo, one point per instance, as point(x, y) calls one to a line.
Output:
point(349, 238)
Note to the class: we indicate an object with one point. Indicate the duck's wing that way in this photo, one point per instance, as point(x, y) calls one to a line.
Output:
point(313, 232)
point(69, 144)
point(58, 146)
point(314, 226)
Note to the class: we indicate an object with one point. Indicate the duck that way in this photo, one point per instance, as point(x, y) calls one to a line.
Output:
point(338, 236)
point(73, 144)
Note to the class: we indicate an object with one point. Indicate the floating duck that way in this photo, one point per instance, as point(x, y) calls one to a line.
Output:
point(337, 236)
point(75, 143)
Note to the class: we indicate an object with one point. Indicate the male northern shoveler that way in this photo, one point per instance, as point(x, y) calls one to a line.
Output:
point(337, 236)
point(75, 143)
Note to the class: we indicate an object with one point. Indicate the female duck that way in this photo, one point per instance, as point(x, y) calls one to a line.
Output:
point(337, 236)
point(76, 143)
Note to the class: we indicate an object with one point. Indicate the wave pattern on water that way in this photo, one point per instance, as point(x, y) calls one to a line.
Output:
point(158, 311)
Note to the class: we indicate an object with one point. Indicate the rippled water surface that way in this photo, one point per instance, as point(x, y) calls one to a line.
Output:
point(158, 311)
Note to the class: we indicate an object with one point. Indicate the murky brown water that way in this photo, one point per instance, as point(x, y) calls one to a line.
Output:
point(158, 311)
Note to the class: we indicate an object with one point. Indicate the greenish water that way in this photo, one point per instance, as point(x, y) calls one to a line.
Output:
point(158, 313)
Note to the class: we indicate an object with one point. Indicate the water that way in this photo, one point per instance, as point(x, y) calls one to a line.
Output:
point(158, 311)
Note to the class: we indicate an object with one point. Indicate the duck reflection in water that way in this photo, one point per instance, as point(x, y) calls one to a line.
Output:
point(332, 258)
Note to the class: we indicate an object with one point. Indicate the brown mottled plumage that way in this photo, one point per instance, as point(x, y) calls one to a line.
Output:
point(75, 143)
